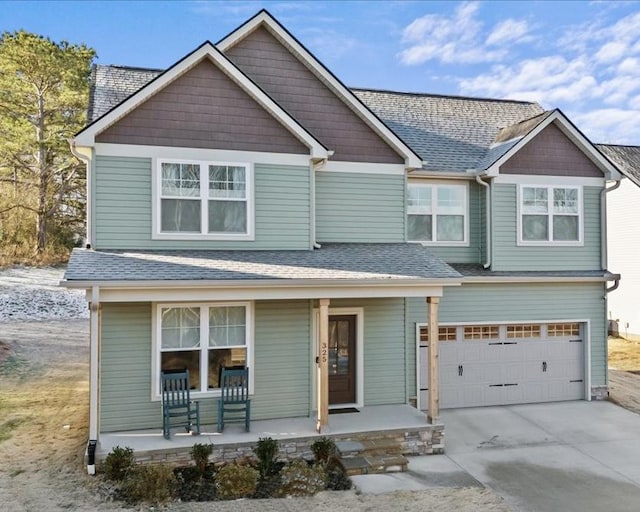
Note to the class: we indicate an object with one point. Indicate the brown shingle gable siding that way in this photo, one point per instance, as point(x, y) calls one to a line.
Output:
point(551, 153)
point(203, 109)
point(289, 82)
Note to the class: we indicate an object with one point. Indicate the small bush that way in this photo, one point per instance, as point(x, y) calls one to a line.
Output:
point(200, 454)
point(191, 485)
point(234, 481)
point(266, 451)
point(300, 479)
point(151, 483)
point(118, 463)
point(337, 479)
point(324, 449)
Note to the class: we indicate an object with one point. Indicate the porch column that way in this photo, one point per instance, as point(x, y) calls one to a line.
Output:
point(323, 367)
point(432, 360)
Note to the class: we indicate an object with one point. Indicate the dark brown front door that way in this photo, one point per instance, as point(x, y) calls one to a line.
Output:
point(342, 359)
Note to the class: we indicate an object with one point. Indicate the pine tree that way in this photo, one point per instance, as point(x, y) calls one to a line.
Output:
point(44, 89)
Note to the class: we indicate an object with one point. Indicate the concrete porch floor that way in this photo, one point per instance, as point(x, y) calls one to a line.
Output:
point(369, 419)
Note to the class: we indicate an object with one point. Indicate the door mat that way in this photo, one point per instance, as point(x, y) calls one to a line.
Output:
point(343, 411)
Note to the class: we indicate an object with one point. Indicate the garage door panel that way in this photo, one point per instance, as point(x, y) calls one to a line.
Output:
point(508, 370)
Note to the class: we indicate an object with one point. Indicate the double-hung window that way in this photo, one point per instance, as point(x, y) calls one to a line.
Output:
point(204, 200)
point(203, 338)
point(437, 213)
point(550, 214)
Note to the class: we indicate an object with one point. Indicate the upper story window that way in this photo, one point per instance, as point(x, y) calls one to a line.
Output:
point(550, 215)
point(437, 213)
point(207, 200)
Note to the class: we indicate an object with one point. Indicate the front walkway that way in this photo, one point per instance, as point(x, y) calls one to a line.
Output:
point(402, 419)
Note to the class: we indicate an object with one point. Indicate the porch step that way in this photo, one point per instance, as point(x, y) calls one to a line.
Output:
point(372, 455)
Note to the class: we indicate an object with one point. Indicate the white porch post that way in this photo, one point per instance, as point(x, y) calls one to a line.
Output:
point(94, 354)
point(323, 366)
point(433, 363)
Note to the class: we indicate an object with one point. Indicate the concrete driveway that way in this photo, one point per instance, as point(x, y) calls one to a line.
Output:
point(569, 456)
point(562, 457)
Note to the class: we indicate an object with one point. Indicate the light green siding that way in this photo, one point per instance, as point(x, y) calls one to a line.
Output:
point(281, 373)
point(384, 350)
point(474, 252)
point(357, 207)
point(520, 302)
point(123, 199)
point(507, 255)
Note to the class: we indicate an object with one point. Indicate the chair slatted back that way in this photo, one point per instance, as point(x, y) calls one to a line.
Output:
point(235, 385)
point(175, 388)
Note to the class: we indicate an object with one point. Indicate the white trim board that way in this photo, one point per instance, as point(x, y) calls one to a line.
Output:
point(536, 179)
point(359, 313)
point(362, 168)
point(226, 155)
point(263, 18)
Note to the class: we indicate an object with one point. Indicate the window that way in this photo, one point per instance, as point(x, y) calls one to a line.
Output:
point(523, 331)
point(203, 339)
point(437, 213)
point(444, 333)
point(204, 200)
point(569, 329)
point(481, 332)
point(550, 214)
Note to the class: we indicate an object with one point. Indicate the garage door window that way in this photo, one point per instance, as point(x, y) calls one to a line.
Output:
point(481, 332)
point(444, 333)
point(568, 329)
point(523, 331)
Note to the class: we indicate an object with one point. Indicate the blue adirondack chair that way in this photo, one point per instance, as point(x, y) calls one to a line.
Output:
point(234, 404)
point(178, 410)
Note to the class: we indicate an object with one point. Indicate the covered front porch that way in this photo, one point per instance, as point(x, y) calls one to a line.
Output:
point(403, 424)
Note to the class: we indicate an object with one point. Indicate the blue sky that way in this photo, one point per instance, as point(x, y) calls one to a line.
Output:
point(583, 57)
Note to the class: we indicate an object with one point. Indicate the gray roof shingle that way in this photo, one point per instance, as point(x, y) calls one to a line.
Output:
point(451, 133)
point(379, 262)
point(626, 158)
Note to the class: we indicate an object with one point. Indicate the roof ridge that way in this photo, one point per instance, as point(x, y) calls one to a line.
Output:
point(130, 68)
point(453, 96)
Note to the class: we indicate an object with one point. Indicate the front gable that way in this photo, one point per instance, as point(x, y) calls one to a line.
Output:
point(551, 153)
point(203, 108)
point(268, 54)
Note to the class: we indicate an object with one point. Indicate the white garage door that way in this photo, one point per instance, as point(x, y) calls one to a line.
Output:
point(503, 364)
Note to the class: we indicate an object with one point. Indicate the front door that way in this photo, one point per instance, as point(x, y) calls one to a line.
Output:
point(342, 359)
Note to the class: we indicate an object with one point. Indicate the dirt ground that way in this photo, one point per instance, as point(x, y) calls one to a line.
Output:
point(624, 373)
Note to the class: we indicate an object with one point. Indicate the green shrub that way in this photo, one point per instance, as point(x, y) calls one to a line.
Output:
point(266, 450)
point(200, 454)
point(235, 481)
point(151, 483)
point(337, 479)
point(118, 463)
point(324, 449)
point(300, 479)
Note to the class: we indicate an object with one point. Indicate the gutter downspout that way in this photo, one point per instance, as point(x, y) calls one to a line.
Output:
point(614, 286)
point(479, 180)
point(94, 378)
point(316, 167)
point(87, 161)
point(603, 223)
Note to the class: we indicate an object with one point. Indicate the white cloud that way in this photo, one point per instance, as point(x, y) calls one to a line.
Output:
point(546, 80)
point(610, 125)
point(328, 43)
point(458, 38)
point(508, 31)
point(611, 52)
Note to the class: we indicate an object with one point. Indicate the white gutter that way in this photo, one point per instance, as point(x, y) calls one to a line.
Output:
point(94, 348)
point(603, 223)
point(487, 205)
point(87, 161)
point(422, 173)
point(538, 279)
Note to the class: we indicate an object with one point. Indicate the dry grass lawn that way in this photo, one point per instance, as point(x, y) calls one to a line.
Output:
point(624, 354)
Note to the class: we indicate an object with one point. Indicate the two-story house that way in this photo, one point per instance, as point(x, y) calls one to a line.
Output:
point(246, 208)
